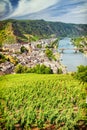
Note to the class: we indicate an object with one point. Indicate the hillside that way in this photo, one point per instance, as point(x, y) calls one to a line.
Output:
point(81, 42)
point(42, 102)
point(12, 31)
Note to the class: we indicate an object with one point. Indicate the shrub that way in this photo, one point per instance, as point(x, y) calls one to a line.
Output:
point(59, 71)
point(19, 68)
point(49, 54)
point(39, 69)
point(2, 58)
point(39, 46)
point(81, 73)
point(23, 49)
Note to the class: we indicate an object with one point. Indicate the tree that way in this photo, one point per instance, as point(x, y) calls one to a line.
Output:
point(19, 68)
point(42, 69)
point(39, 46)
point(39, 69)
point(1, 45)
point(23, 49)
point(49, 53)
point(81, 73)
point(2, 58)
point(59, 71)
point(48, 70)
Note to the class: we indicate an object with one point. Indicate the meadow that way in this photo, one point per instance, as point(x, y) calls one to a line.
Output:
point(41, 101)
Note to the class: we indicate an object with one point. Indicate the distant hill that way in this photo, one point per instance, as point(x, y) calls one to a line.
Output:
point(12, 31)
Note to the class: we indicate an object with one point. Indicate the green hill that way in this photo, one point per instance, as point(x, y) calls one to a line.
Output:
point(32, 101)
point(12, 31)
point(81, 42)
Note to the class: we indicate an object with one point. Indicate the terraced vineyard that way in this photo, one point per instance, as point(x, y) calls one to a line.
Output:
point(34, 101)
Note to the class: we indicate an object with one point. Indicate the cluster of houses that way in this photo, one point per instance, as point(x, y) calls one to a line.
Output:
point(31, 58)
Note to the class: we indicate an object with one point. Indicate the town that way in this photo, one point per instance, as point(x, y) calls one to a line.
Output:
point(30, 54)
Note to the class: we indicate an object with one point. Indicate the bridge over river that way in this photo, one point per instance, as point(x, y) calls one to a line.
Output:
point(74, 48)
point(70, 58)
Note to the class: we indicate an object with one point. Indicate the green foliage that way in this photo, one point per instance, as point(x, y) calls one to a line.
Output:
point(39, 46)
point(39, 69)
point(12, 59)
point(41, 100)
point(2, 58)
point(59, 71)
point(49, 54)
point(53, 44)
point(10, 40)
point(6, 33)
point(80, 42)
point(19, 69)
point(81, 73)
point(0, 46)
point(42, 69)
point(33, 38)
point(23, 49)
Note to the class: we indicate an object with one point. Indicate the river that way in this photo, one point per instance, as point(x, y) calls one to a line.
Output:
point(69, 58)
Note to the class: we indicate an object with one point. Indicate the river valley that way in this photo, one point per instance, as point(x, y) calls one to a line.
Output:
point(69, 58)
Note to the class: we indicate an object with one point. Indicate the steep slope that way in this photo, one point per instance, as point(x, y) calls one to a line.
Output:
point(26, 30)
point(7, 33)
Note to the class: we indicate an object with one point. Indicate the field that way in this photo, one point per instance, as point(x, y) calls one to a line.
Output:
point(49, 102)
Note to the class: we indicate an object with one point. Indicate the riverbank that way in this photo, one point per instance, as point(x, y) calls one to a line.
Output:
point(80, 43)
point(70, 59)
point(85, 53)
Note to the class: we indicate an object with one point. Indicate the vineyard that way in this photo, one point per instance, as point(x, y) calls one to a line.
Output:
point(48, 102)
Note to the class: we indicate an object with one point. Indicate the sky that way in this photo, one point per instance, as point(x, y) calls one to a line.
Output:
point(67, 11)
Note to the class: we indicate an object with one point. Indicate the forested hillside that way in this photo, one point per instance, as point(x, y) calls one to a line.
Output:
point(26, 30)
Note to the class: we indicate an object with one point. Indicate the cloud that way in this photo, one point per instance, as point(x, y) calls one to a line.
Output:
point(70, 11)
point(77, 13)
point(5, 8)
point(2, 8)
point(27, 7)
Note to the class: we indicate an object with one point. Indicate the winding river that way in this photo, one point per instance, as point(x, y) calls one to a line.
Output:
point(69, 58)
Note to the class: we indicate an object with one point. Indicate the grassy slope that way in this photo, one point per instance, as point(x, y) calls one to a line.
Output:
point(41, 100)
